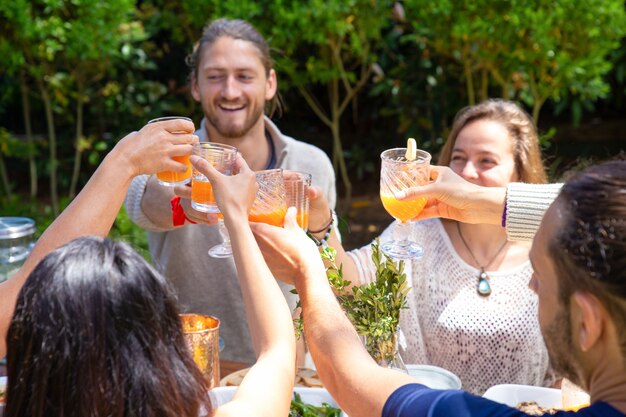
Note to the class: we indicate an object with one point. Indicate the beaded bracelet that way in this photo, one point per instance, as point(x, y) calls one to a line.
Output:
point(326, 229)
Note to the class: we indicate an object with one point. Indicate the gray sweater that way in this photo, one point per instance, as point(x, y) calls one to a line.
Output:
point(210, 286)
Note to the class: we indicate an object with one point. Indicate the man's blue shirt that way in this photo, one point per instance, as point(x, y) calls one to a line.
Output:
point(416, 400)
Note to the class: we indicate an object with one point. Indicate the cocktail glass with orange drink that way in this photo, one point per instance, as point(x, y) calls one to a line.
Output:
point(269, 206)
point(222, 157)
point(400, 171)
point(174, 178)
point(297, 186)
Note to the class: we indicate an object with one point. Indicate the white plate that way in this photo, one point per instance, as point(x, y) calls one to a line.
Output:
point(434, 376)
point(512, 394)
point(314, 396)
point(3, 387)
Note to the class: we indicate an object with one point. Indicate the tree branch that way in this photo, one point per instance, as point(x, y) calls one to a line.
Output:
point(314, 106)
point(336, 54)
point(355, 90)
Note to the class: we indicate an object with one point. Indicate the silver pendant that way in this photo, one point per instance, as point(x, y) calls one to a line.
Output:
point(483, 288)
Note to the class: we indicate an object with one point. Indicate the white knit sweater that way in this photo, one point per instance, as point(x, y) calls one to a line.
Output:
point(484, 340)
point(525, 207)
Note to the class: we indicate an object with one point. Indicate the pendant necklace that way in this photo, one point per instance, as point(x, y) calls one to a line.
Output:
point(483, 287)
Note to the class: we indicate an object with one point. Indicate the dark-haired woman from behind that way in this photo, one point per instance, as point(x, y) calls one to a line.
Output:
point(96, 333)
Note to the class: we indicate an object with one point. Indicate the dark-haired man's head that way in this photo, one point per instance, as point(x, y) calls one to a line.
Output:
point(579, 257)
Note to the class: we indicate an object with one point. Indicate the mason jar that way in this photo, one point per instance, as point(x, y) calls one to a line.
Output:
point(17, 238)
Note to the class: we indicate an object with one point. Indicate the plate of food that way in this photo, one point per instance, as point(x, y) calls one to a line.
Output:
point(305, 402)
point(532, 400)
point(305, 378)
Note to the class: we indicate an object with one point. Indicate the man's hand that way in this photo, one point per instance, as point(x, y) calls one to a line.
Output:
point(184, 192)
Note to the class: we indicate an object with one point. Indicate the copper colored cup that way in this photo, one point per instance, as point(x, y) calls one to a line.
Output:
point(202, 336)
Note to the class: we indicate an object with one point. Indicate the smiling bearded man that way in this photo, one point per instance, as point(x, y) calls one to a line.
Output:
point(233, 80)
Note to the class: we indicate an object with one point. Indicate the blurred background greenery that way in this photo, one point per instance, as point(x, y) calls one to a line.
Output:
point(355, 76)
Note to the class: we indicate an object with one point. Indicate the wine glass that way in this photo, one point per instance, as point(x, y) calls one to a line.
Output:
point(222, 158)
point(398, 173)
point(222, 250)
point(269, 206)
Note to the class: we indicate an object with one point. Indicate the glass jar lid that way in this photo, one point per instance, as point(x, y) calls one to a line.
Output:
point(16, 227)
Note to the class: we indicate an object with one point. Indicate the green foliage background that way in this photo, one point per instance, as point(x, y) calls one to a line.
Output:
point(356, 76)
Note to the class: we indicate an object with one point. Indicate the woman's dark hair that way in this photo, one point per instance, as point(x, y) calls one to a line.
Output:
point(235, 29)
point(96, 332)
point(525, 147)
point(589, 247)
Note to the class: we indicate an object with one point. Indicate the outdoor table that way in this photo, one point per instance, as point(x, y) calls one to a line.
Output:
point(228, 367)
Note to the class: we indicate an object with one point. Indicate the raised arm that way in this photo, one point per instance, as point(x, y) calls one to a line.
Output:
point(519, 207)
point(94, 209)
point(450, 196)
point(267, 388)
point(342, 362)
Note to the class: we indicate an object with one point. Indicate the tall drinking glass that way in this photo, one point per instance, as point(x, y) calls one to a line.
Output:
point(297, 186)
point(201, 335)
point(222, 157)
point(398, 173)
point(269, 206)
point(174, 178)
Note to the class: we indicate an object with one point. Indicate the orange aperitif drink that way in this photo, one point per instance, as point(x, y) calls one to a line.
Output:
point(275, 217)
point(302, 218)
point(173, 177)
point(402, 210)
point(221, 157)
point(202, 192)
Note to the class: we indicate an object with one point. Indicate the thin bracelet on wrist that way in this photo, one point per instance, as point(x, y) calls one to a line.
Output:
point(326, 229)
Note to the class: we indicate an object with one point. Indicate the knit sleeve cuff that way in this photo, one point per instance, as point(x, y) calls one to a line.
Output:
point(525, 207)
point(133, 204)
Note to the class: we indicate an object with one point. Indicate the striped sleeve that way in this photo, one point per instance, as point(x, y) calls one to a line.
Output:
point(525, 207)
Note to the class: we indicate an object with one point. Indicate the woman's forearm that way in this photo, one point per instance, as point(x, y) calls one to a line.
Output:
point(92, 212)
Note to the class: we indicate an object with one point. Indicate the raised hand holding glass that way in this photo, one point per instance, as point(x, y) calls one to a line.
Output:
point(174, 178)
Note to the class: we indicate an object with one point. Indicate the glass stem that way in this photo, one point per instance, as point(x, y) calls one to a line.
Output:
point(401, 232)
point(224, 233)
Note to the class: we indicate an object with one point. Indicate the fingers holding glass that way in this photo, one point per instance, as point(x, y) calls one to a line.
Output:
point(222, 158)
point(174, 178)
point(269, 206)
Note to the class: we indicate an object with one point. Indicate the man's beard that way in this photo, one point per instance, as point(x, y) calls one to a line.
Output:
point(232, 131)
point(558, 339)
